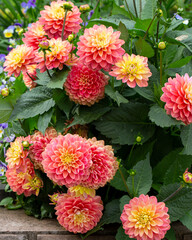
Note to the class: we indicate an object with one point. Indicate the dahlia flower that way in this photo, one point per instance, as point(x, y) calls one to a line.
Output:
point(16, 154)
point(34, 183)
point(34, 35)
point(54, 198)
point(52, 19)
point(100, 47)
point(56, 58)
point(84, 85)
point(29, 75)
point(78, 215)
point(178, 98)
point(39, 142)
point(145, 218)
point(104, 165)
point(80, 191)
point(18, 59)
point(67, 159)
point(17, 178)
point(132, 70)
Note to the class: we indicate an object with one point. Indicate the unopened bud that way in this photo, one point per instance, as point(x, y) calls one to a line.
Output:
point(67, 6)
point(71, 37)
point(138, 139)
point(161, 45)
point(179, 10)
point(25, 144)
point(5, 92)
point(132, 172)
point(54, 198)
point(84, 8)
point(44, 45)
point(187, 176)
point(159, 13)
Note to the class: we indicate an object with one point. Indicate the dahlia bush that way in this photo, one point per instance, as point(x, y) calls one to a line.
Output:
point(96, 114)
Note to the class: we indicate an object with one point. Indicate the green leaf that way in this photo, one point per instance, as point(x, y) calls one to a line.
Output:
point(142, 179)
point(123, 124)
point(43, 78)
point(44, 120)
point(123, 201)
point(187, 220)
point(186, 138)
point(180, 204)
point(124, 31)
point(121, 235)
point(5, 110)
point(149, 9)
point(170, 235)
point(34, 102)
point(115, 95)
point(159, 116)
point(180, 62)
point(117, 181)
point(119, 10)
point(17, 129)
point(58, 79)
point(6, 201)
point(111, 213)
point(143, 48)
point(144, 24)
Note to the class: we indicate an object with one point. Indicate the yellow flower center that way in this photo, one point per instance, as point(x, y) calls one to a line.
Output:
point(80, 217)
point(8, 34)
point(56, 11)
point(101, 40)
point(67, 158)
point(143, 219)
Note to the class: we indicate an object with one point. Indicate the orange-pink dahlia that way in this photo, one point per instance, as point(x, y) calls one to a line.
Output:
point(16, 154)
point(67, 159)
point(145, 218)
point(18, 59)
point(39, 142)
point(178, 98)
point(78, 215)
point(100, 47)
point(84, 85)
point(57, 57)
point(104, 165)
point(34, 35)
point(132, 70)
point(29, 75)
point(52, 19)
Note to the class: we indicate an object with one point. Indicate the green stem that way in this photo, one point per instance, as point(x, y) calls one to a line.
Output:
point(135, 8)
point(173, 194)
point(130, 154)
point(112, 82)
point(29, 76)
point(149, 26)
point(84, 21)
point(98, 1)
point(161, 68)
point(62, 35)
point(45, 64)
point(133, 186)
point(140, 7)
point(131, 46)
point(128, 10)
point(122, 176)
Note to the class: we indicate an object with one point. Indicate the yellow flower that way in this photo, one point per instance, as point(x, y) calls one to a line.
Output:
point(78, 191)
point(34, 184)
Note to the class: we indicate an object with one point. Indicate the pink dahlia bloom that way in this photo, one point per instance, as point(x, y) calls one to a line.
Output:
point(78, 215)
point(67, 159)
point(18, 59)
point(53, 16)
point(39, 143)
point(57, 57)
point(100, 47)
point(104, 165)
point(132, 70)
point(85, 86)
point(145, 218)
point(31, 71)
point(178, 98)
point(34, 35)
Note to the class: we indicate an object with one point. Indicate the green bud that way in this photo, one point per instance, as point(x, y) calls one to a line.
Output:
point(5, 92)
point(71, 37)
point(159, 13)
point(44, 45)
point(84, 8)
point(161, 45)
point(132, 172)
point(67, 6)
point(138, 139)
point(25, 144)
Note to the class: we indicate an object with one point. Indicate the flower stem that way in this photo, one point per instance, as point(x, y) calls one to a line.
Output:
point(173, 194)
point(135, 8)
point(62, 35)
point(29, 76)
point(130, 154)
point(128, 10)
point(133, 186)
point(149, 26)
point(122, 176)
point(140, 7)
point(45, 64)
point(161, 68)
point(84, 22)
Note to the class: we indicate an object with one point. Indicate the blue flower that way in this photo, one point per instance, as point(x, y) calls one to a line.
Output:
point(3, 168)
point(12, 79)
point(1, 69)
point(29, 4)
point(9, 138)
point(90, 14)
point(4, 125)
point(2, 58)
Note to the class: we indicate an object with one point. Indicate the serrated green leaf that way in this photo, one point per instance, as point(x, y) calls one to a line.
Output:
point(180, 204)
point(142, 179)
point(34, 102)
point(143, 48)
point(123, 124)
point(159, 116)
point(115, 95)
point(123, 201)
point(43, 78)
point(121, 235)
point(187, 220)
point(44, 120)
point(124, 31)
point(117, 181)
point(186, 138)
point(58, 79)
point(17, 129)
point(6, 109)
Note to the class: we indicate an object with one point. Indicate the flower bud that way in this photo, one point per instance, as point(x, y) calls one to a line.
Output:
point(71, 37)
point(54, 198)
point(44, 45)
point(161, 45)
point(25, 144)
point(159, 13)
point(84, 8)
point(138, 139)
point(67, 6)
point(5, 92)
point(132, 172)
point(180, 11)
point(187, 176)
